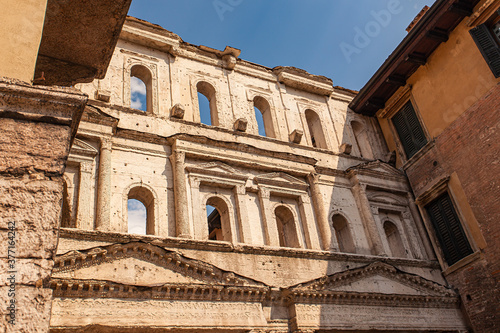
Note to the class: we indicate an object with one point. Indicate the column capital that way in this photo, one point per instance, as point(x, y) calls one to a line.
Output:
point(240, 189)
point(194, 182)
point(178, 157)
point(86, 167)
point(106, 143)
point(304, 199)
point(264, 193)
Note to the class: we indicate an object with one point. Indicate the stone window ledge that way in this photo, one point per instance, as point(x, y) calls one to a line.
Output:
point(414, 159)
point(462, 263)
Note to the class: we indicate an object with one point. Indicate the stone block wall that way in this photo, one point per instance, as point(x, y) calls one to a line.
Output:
point(36, 128)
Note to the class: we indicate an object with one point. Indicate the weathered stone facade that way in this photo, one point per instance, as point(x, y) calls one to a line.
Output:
point(317, 232)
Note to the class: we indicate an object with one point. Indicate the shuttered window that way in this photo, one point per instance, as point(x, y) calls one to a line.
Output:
point(449, 231)
point(409, 130)
point(488, 45)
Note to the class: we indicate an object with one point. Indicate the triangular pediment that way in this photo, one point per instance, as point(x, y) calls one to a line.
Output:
point(376, 278)
point(83, 148)
point(280, 178)
point(216, 166)
point(387, 198)
point(217, 169)
point(142, 264)
point(378, 167)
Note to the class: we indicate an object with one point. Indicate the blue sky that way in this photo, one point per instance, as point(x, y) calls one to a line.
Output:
point(345, 40)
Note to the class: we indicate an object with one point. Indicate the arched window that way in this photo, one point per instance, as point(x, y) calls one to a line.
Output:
point(343, 234)
point(141, 82)
point(287, 231)
point(264, 118)
point(315, 130)
point(207, 104)
point(140, 211)
point(219, 227)
point(394, 239)
point(362, 141)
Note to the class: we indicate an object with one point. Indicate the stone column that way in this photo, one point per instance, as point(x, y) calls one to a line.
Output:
point(380, 231)
point(417, 220)
point(307, 217)
point(242, 211)
point(103, 216)
point(84, 217)
point(200, 228)
point(268, 221)
point(369, 223)
point(180, 192)
point(325, 230)
point(411, 237)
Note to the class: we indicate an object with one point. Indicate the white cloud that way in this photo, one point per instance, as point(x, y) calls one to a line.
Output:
point(136, 103)
point(137, 86)
point(136, 217)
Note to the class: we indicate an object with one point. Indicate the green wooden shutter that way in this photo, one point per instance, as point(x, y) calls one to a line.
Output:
point(449, 231)
point(488, 46)
point(409, 130)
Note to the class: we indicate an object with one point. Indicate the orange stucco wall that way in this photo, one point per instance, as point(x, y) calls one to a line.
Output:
point(453, 79)
point(22, 25)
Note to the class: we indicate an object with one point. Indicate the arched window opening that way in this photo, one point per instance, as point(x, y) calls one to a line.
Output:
point(264, 118)
point(207, 104)
point(214, 224)
point(394, 239)
point(287, 231)
point(343, 234)
point(362, 141)
point(219, 227)
point(140, 211)
point(315, 130)
point(137, 217)
point(141, 88)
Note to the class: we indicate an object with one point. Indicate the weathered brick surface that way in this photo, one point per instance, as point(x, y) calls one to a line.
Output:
point(471, 148)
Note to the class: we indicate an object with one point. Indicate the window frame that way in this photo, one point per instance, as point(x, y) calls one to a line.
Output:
point(438, 189)
point(483, 36)
point(399, 143)
point(452, 253)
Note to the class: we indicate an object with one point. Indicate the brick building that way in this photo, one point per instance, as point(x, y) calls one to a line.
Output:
point(436, 99)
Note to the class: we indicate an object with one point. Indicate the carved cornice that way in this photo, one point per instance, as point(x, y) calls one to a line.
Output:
point(75, 288)
point(302, 80)
point(312, 293)
point(349, 298)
